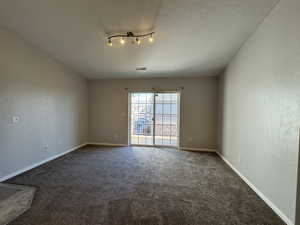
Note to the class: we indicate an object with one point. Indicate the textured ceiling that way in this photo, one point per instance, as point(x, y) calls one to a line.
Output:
point(193, 37)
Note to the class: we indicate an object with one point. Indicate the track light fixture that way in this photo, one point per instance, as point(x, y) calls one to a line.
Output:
point(130, 35)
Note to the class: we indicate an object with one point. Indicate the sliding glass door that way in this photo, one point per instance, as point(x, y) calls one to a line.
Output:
point(154, 119)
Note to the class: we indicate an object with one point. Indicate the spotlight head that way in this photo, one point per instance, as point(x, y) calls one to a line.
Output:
point(122, 41)
point(151, 39)
point(138, 41)
point(109, 42)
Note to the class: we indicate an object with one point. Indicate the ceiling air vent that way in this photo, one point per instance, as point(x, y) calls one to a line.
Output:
point(141, 69)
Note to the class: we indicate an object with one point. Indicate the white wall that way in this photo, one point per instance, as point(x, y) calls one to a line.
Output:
point(108, 109)
point(50, 100)
point(261, 105)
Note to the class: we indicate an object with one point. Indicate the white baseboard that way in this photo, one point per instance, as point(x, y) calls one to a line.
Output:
point(198, 149)
point(39, 163)
point(107, 144)
point(258, 192)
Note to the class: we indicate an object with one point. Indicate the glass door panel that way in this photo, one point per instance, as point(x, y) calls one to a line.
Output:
point(142, 107)
point(166, 119)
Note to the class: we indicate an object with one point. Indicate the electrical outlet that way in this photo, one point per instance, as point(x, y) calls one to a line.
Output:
point(46, 147)
point(15, 119)
point(190, 139)
point(116, 136)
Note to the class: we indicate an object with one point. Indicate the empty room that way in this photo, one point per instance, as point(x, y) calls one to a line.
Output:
point(138, 112)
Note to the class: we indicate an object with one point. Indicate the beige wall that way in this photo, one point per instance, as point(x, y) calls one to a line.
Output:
point(50, 100)
point(261, 104)
point(108, 109)
point(298, 190)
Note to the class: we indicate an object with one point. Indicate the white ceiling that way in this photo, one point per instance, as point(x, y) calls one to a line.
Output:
point(193, 37)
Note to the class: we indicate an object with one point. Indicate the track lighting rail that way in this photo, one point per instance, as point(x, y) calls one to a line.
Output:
point(130, 35)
